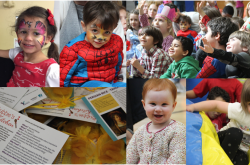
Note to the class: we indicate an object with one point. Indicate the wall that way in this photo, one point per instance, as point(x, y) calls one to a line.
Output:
point(8, 17)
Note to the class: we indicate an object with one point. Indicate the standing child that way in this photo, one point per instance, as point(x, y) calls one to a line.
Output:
point(184, 65)
point(34, 27)
point(235, 136)
point(132, 33)
point(163, 140)
point(154, 60)
point(95, 57)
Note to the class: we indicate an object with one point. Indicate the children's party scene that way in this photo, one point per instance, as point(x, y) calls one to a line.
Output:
point(125, 82)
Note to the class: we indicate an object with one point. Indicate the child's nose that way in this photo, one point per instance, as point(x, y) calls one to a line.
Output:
point(28, 36)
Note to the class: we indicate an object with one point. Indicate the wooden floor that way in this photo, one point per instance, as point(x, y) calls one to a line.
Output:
point(179, 113)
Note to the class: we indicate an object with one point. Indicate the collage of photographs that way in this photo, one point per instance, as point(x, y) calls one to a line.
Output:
point(125, 82)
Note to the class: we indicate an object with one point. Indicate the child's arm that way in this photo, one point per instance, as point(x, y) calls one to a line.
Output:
point(135, 62)
point(143, 18)
point(168, 73)
point(241, 59)
point(210, 105)
point(177, 147)
point(190, 94)
point(4, 53)
point(132, 155)
point(68, 59)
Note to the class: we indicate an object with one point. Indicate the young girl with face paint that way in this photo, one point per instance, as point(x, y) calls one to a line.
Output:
point(34, 27)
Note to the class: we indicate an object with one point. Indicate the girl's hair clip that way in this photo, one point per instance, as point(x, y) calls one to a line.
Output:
point(50, 18)
point(52, 41)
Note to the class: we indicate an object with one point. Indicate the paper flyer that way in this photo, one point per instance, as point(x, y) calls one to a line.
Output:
point(26, 141)
point(109, 108)
point(33, 95)
point(11, 95)
point(79, 112)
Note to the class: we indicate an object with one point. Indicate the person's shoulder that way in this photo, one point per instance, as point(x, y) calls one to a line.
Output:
point(79, 38)
point(141, 129)
point(178, 127)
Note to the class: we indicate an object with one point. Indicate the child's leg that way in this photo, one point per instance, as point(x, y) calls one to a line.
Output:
point(240, 158)
point(230, 140)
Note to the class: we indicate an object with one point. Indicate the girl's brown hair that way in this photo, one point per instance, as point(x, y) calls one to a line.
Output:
point(40, 12)
point(245, 95)
point(136, 12)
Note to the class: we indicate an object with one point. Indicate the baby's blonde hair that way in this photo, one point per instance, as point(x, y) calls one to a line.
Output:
point(245, 95)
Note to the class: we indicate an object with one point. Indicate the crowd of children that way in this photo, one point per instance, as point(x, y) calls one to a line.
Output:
point(197, 59)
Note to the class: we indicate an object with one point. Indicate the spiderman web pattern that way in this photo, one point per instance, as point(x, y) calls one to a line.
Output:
point(100, 62)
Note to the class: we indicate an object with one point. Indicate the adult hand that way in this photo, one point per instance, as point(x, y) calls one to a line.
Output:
point(207, 46)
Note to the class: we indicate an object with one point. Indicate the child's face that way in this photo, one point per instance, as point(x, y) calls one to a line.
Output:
point(162, 25)
point(134, 21)
point(210, 39)
point(159, 106)
point(32, 34)
point(123, 17)
point(233, 45)
point(176, 51)
point(152, 10)
point(146, 41)
point(95, 34)
point(214, 114)
point(202, 26)
point(184, 26)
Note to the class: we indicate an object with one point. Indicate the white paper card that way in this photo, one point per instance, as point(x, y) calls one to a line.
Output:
point(11, 95)
point(32, 96)
point(26, 141)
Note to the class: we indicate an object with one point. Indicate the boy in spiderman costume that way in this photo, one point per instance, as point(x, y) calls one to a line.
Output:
point(94, 58)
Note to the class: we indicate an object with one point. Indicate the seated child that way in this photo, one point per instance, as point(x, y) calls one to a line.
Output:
point(185, 23)
point(237, 54)
point(218, 32)
point(238, 21)
point(218, 119)
point(96, 55)
point(154, 60)
point(184, 65)
point(211, 12)
point(228, 11)
point(235, 136)
point(163, 140)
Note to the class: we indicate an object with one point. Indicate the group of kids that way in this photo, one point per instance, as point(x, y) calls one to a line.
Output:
point(221, 49)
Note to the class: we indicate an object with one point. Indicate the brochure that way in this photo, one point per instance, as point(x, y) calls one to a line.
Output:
point(109, 108)
point(26, 141)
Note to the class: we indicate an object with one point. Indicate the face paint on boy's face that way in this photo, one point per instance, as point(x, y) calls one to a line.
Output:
point(97, 36)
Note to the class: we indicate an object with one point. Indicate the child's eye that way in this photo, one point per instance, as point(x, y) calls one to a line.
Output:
point(23, 32)
point(164, 104)
point(36, 34)
point(107, 32)
point(94, 30)
point(153, 104)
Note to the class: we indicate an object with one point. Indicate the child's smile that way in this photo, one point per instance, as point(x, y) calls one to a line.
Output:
point(146, 41)
point(175, 50)
point(32, 34)
point(234, 45)
point(159, 106)
point(95, 34)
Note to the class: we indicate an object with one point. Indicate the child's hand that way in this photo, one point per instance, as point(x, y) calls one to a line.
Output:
point(128, 63)
point(207, 46)
point(199, 8)
point(135, 63)
point(141, 12)
point(190, 108)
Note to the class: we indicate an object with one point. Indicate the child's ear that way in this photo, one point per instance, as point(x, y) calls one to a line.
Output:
point(185, 53)
point(83, 26)
point(143, 103)
point(174, 105)
point(217, 37)
point(245, 49)
point(48, 39)
point(156, 42)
